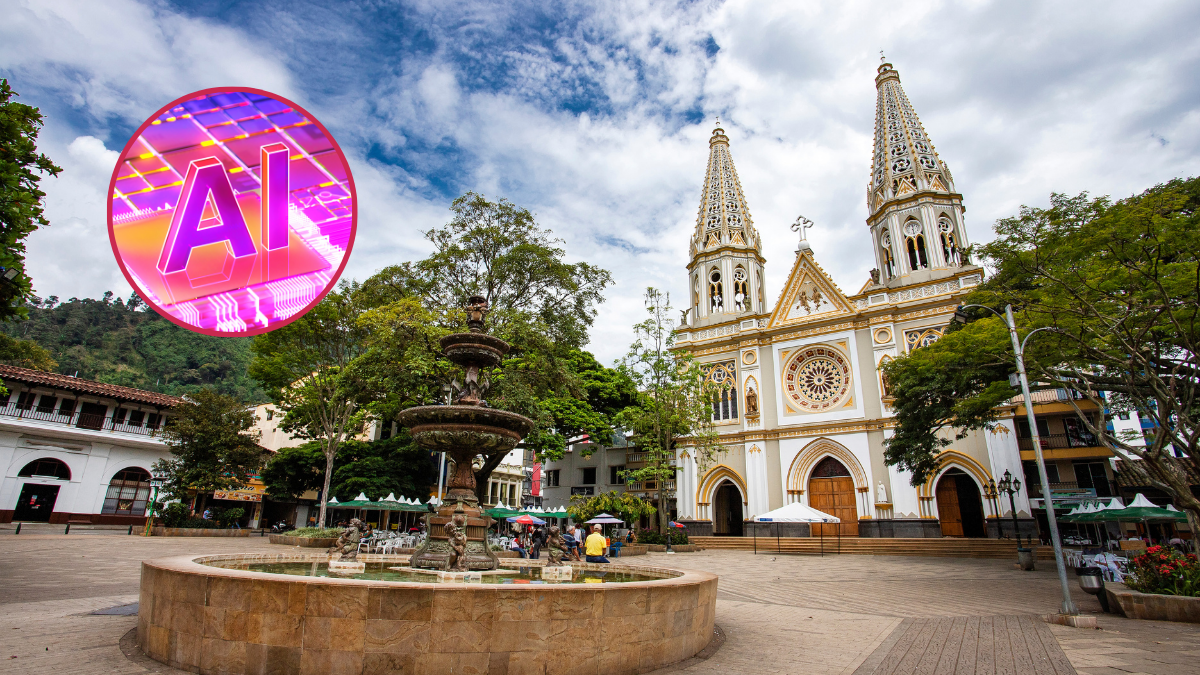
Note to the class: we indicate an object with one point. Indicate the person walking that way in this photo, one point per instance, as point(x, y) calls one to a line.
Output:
point(595, 546)
point(539, 540)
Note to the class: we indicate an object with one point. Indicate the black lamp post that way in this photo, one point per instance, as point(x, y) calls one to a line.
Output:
point(156, 481)
point(1011, 486)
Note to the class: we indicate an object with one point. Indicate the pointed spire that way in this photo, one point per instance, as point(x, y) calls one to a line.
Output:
point(905, 161)
point(724, 219)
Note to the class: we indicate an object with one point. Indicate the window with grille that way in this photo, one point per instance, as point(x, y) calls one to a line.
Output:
point(128, 493)
point(614, 475)
point(551, 478)
point(589, 476)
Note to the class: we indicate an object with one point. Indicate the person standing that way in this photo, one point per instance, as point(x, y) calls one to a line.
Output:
point(578, 540)
point(595, 546)
point(539, 540)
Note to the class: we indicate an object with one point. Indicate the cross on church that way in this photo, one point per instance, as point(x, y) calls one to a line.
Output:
point(801, 225)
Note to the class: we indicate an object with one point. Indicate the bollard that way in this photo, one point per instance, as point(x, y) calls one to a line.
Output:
point(18, 528)
point(130, 529)
point(263, 533)
point(68, 530)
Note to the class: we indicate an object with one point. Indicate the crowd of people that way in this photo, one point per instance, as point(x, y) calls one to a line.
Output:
point(593, 547)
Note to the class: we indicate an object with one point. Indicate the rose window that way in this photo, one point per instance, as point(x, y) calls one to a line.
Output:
point(817, 379)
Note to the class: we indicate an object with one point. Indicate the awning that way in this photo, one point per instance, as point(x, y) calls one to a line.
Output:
point(796, 513)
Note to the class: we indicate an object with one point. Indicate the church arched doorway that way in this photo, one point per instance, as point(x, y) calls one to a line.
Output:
point(727, 510)
point(831, 490)
point(960, 508)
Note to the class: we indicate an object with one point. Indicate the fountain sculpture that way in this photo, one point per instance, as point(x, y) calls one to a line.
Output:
point(457, 537)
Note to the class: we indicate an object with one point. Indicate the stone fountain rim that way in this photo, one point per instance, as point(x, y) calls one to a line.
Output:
point(481, 339)
point(194, 564)
point(495, 412)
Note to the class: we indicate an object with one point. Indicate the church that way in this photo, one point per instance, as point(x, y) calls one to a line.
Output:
point(804, 413)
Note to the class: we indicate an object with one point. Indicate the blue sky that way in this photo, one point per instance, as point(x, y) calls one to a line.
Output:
point(595, 115)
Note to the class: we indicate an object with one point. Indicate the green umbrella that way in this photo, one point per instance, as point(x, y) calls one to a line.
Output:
point(1142, 509)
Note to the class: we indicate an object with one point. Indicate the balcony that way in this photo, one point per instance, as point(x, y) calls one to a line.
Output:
point(1054, 441)
point(77, 419)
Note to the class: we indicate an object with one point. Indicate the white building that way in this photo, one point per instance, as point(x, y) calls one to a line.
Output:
point(77, 451)
point(805, 416)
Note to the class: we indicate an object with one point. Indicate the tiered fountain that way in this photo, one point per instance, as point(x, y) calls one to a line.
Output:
point(450, 610)
point(464, 430)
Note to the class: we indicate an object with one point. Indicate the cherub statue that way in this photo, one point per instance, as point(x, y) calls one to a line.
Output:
point(347, 543)
point(458, 547)
point(555, 546)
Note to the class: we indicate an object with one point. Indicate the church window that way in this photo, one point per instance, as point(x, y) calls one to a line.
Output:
point(889, 261)
point(720, 378)
point(949, 244)
point(716, 299)
point(914, 243)
point(741, 289)
point(817, 379)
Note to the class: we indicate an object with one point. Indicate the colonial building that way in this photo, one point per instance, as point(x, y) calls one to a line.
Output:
point(77, 451)
point(804, 414)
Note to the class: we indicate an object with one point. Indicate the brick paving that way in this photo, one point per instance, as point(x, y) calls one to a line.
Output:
point(780, 613)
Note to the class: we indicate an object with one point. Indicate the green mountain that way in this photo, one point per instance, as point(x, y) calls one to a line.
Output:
point(126, 343)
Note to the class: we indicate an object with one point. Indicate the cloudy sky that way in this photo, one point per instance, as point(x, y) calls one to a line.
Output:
point(595, 115)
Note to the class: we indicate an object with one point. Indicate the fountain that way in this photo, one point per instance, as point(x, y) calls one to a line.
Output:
point(457, 533)
point(298, 612)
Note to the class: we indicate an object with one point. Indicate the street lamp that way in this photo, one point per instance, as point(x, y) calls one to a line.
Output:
point(1068, 606)
point(156, 481)
point(1011, 486)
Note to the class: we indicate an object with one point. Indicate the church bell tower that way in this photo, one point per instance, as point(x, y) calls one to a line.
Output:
point(725, 272)
point(914, 213)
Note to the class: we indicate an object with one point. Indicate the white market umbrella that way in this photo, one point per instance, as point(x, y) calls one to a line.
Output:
point(796, 513)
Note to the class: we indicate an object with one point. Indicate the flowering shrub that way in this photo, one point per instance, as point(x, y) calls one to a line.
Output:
point(1165, 571)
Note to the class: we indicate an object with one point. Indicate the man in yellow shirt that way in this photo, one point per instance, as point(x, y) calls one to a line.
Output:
point(595, 546)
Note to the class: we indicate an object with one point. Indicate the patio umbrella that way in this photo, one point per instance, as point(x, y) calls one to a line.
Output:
point(526, 520)
point(604, 519)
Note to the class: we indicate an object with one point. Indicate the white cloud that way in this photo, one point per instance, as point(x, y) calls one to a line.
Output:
point(1019, 98)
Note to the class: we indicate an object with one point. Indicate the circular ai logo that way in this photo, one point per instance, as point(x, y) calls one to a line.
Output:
point(232, 211)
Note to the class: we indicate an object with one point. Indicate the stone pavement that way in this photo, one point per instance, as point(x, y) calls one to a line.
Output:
point(779, 613)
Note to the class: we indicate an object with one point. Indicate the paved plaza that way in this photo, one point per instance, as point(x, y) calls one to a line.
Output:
point(778, 613)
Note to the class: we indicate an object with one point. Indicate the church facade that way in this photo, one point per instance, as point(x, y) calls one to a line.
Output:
point(804, 413)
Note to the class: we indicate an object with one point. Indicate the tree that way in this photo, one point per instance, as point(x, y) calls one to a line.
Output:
point(212, 445)
point(539, 303)
point(1118, 285)
point(313, 369)
point(21, 210)
point(623, 505)
point(377, 468)
point(674, 401)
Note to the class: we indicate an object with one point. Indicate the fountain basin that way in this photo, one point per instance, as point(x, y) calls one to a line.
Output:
point(198, 617)
point(447, 428)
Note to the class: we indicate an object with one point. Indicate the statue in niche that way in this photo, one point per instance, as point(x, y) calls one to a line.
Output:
point(346, 546)
point(881, 493)
point(751, 402)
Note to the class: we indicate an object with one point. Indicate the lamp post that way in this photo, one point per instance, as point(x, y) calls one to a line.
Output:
point(993, 497)
point(1068, 606)
point(1011, 486)
point(156, 481)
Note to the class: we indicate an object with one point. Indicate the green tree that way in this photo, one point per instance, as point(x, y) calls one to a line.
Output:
point(541, 304)
point(212, 443)
point(21, 198)
point(313, 369)
point(623, 505)
point(1117, 285)
point(377, 468)
point(674, 402)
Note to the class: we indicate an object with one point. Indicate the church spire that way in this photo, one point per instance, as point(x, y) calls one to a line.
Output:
point(905, 161)
point(725, 271)
point(724, 219)
point(915, 216)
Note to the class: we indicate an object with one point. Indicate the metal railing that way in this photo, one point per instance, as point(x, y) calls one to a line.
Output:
point(74, 419)
point(1051, 441)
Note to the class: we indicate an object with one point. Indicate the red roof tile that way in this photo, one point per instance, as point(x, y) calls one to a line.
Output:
point(38, 377)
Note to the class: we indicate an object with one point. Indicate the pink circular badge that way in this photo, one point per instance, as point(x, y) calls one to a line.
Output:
point(232, 211)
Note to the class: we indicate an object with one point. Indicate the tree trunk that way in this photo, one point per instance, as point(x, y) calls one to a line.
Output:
point(325, 490)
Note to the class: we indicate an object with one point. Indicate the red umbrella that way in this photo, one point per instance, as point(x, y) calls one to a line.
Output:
point(526, 520)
